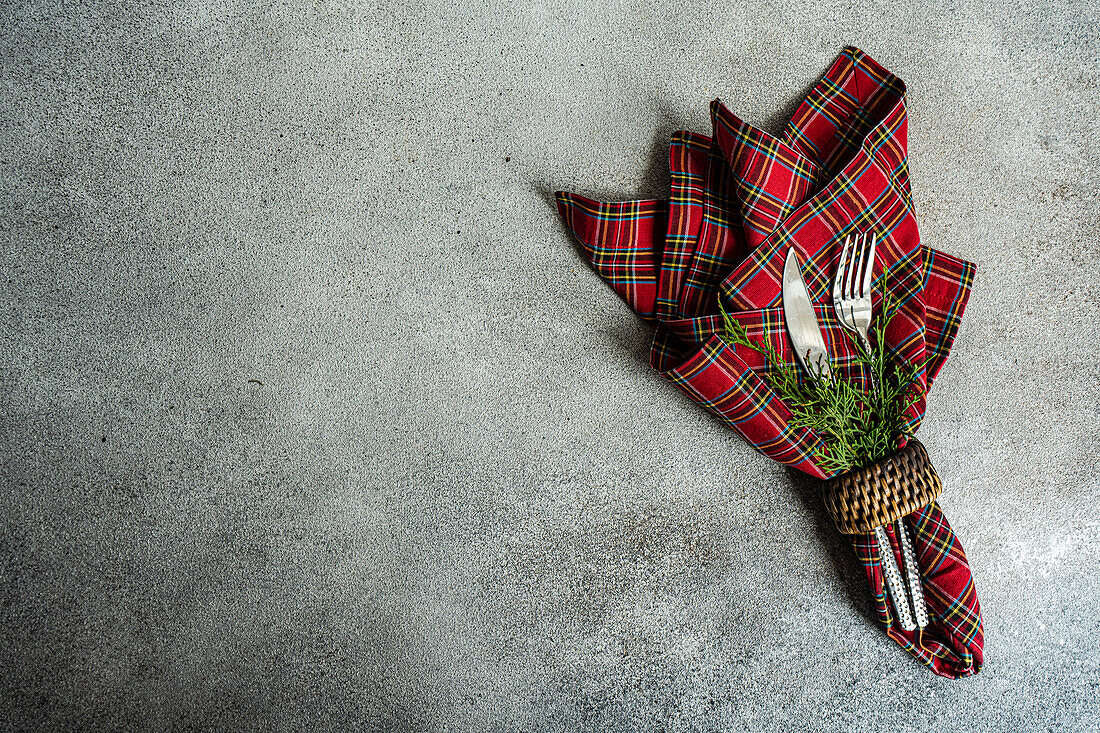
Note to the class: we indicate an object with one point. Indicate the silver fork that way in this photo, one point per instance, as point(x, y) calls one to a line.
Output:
point(852, 294)
point(852, 303)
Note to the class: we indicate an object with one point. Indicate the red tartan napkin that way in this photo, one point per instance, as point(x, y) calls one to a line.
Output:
point(739, 200)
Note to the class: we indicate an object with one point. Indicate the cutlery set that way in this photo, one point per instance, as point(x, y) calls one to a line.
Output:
point(851, 293)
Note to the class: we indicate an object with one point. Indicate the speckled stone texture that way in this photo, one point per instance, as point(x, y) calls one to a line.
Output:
point(313, 417)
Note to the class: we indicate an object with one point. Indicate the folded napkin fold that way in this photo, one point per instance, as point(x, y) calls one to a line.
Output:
point(739, 200)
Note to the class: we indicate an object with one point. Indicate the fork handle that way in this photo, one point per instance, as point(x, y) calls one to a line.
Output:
point(912, 573)
point(866, 343)
point(893, 582)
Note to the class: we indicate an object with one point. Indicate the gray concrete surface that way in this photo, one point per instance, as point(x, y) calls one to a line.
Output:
point(312, 417)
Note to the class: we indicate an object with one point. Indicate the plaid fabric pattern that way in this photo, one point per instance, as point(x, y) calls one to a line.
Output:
point(953, 647)
point(739, 199)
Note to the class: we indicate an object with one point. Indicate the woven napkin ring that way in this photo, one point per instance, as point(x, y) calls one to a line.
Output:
point(886, 490)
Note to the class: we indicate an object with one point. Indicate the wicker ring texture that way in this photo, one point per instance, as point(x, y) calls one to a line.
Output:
point(886, 490)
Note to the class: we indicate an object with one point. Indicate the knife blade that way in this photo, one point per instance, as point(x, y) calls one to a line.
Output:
point(801, 320)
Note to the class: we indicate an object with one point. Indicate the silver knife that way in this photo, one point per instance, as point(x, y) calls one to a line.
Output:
point(801, 320)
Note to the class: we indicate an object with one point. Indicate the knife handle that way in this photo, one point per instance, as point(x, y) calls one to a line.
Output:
point(893, 583)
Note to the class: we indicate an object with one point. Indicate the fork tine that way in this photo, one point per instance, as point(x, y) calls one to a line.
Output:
point(861, 268)
point(838, 290)
point(869, 269)
point(853, 263)
point(858, 267)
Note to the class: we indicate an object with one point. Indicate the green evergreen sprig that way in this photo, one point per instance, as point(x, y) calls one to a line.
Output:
point(858, 427)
